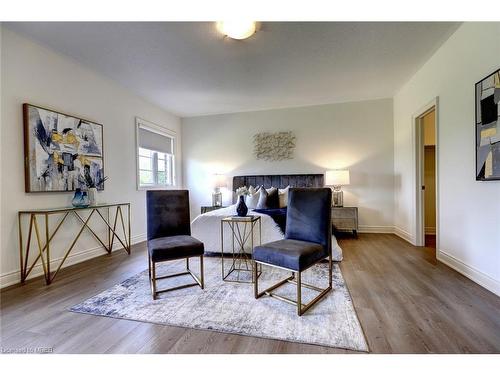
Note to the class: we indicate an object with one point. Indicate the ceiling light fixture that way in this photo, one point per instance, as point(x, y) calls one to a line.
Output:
point(237, 29)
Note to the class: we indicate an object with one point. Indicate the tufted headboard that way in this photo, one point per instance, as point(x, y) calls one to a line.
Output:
point(280, 181)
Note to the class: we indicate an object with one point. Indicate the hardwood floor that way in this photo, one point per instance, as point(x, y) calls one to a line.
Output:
point(406, 301)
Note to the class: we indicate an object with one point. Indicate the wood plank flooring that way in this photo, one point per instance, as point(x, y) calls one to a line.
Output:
point(407, 302)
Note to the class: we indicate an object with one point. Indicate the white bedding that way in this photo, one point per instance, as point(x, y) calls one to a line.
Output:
point(207, 228)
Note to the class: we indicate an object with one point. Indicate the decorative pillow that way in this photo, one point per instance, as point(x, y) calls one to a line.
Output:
point(262, 202)
point(283, 196)
point(253, 199)
point(273, 200)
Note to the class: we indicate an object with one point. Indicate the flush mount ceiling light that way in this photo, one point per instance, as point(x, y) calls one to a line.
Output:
point(237, 29)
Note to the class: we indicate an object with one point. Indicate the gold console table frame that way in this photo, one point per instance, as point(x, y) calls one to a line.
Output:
point(66, 211)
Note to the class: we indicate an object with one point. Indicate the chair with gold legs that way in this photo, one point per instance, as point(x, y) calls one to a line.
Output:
point(169, 236)
point(308, 240)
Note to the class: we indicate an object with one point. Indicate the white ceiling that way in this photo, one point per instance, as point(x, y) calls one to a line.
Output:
point(189, 69)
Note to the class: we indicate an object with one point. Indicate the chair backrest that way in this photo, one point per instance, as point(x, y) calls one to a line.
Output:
point(167, 213)
point(309, 216)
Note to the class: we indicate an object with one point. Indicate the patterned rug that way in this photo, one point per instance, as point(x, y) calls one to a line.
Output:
point(231, 307)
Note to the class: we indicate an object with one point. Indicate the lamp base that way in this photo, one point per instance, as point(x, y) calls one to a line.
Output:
point(338, 198)
point(217, 199)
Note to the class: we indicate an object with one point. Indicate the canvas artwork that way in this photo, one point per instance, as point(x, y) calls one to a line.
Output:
point(62, 152)
point(274, 146)
point(488, 128)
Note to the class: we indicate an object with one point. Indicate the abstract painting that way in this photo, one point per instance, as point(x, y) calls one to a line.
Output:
point(62, 152)
point(274, 146)
point(488, 128)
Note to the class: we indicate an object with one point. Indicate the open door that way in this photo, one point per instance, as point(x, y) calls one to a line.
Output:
point(426, 147)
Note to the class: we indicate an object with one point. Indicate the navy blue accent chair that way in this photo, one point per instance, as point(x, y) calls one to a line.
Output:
point(169, 235)
point(308, 240)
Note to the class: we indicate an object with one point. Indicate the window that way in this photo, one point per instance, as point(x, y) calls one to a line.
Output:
point(155, 156)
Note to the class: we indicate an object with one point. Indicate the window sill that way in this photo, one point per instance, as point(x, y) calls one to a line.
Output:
point(157, 187)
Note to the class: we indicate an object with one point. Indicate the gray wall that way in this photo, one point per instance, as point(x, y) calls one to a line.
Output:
point(357, 136)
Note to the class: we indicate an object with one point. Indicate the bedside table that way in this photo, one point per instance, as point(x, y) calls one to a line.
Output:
point(205, 209)
point(345, 218)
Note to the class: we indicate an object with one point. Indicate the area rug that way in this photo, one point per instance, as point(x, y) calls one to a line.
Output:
point(231, 307)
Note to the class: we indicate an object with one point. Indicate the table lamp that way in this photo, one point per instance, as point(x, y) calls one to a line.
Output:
point(337, 179)
point(219, 182)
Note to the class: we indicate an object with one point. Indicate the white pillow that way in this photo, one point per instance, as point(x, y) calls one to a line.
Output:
point(283, 196)
point(252, 199)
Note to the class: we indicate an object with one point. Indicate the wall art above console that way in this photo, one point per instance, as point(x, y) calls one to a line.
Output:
point(61, 152)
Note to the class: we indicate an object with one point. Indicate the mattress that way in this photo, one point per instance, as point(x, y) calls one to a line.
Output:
point(207, 228)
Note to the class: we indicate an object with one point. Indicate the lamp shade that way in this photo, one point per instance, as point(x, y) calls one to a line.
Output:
point(219, 181)
point(337, 177)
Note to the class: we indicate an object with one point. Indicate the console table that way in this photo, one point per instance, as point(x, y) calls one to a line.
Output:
point(44, 246)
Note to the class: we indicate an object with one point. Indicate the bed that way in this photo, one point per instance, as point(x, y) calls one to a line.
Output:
point(207, 227)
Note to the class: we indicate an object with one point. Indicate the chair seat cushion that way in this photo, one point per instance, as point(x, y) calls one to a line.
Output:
point(174, 247)
point(292, 254)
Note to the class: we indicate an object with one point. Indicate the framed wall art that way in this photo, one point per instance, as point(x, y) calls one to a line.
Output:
point(488, 128)
point(61, 152)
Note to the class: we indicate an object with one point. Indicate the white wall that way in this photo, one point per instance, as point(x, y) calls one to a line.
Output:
point(469, 211)
point(358, 136)
point(34, 74)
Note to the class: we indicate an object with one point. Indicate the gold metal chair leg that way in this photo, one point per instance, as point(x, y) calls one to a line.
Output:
point(153, 279)
point(199, 281)
point(149, 266)
point(202, 277)
point(299, 294)
point(330, 270)
point(256, 278)
point(295, 278)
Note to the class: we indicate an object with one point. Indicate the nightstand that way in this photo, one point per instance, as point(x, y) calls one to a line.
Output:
point(205, 209)
point(345, 218)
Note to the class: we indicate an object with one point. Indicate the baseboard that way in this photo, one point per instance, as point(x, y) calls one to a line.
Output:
point(472, 273)
point(404, 235)
point(430, 230)
point(376, 229)
point(13, 277)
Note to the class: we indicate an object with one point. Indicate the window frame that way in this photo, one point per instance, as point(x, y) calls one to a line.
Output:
point(165, 132)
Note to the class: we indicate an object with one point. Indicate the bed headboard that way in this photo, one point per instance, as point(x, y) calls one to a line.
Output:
point(280, 181)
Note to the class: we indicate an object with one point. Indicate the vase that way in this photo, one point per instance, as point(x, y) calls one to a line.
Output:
point(85, 199)
point(80, 199)
point(241, 208)
point(93, 196)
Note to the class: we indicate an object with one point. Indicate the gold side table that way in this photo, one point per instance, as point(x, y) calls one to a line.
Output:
point(44, 248)
point(242, 233)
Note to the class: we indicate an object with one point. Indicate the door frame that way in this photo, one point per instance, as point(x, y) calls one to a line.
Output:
point(418, 145)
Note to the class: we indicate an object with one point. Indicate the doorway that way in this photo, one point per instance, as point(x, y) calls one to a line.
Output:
point(426, 145)
point(428, 122)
